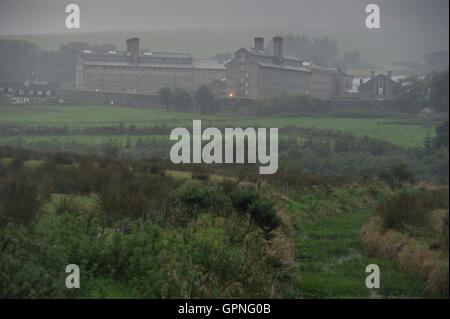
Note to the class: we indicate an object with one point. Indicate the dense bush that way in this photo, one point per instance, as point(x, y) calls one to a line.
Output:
point(262, 214)
point(205, 100)
point(440, 91)
point(151, 235)
point(397, 174)
point(242, 199)
point(19, 198)
point(192, 198)
point(441, 138)
point(260, 210)
point(289, 104)
point(411, 210)
point(141, 250)
point(177, 99)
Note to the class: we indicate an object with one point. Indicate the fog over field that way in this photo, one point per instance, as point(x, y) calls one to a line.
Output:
point(409, 29)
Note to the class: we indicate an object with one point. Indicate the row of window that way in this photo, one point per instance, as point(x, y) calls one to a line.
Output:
point(244, 78)
point(146, 69)
point(30, 92)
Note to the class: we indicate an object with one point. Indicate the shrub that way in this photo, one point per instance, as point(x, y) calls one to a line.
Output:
point(263, 214)
point(121, 201)
point(228, 186)
point(181, 99)
point(243, 199)
point(410, 254)
point(200, 176)
point(261, 210)
point(165, 96)
point(402, 173)
point(110, 150)
point(205, 100)
point(397, 174)
point(411, 209)
point(444, 234)
point(23, 274)
point(66, 204)
point(19, 199)
point(193, 198)
point(62, 158)
point(441, 138)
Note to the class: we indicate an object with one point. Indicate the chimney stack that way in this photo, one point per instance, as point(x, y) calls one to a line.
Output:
point(389, 74)
point(133, 49)
point(372, 74)
point(259, 43)
point(278, 49)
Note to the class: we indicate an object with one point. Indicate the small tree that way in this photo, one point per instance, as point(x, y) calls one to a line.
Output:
point(401, 173)
point(242, 199)
point(428, 144)
point(205, 100)
point(181, 99)
point(263, 214)
point(19, 194)
point(194, 198)
point(261, 211)
point(441, 138)
point(440, 91)
point(165, 96)
point(110, 149)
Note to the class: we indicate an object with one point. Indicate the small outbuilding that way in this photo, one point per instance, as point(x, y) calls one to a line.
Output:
point(379, 87)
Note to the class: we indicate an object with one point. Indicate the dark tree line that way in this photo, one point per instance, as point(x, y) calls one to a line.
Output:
point(24, 61)
point(202, 100)
point(440, 91)
point(419, 94)
point(18, 59)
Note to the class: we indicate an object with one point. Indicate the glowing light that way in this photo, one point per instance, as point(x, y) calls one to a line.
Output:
point(231, 94)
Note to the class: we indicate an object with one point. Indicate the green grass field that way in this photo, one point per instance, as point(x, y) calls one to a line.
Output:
point(402, 132)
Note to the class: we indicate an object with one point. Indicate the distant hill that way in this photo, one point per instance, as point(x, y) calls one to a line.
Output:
point(380, 47)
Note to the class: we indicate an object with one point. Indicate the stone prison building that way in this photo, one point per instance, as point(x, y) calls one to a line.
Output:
point(146, 73)
point(259, 73)
point(251, 73)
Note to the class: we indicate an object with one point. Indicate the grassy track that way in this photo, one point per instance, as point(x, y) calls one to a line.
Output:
point(327, 248)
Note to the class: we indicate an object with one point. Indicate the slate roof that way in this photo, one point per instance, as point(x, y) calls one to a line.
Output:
point(382, 76)
point(126, 63)
point(323, 69)
point(265, 59)
point(283, 66)
point(208, 64)
point(150, 60)
point(166, 55)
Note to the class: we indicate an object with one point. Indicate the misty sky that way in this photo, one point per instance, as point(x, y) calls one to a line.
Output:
point(48, 16)
point(409, 28)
